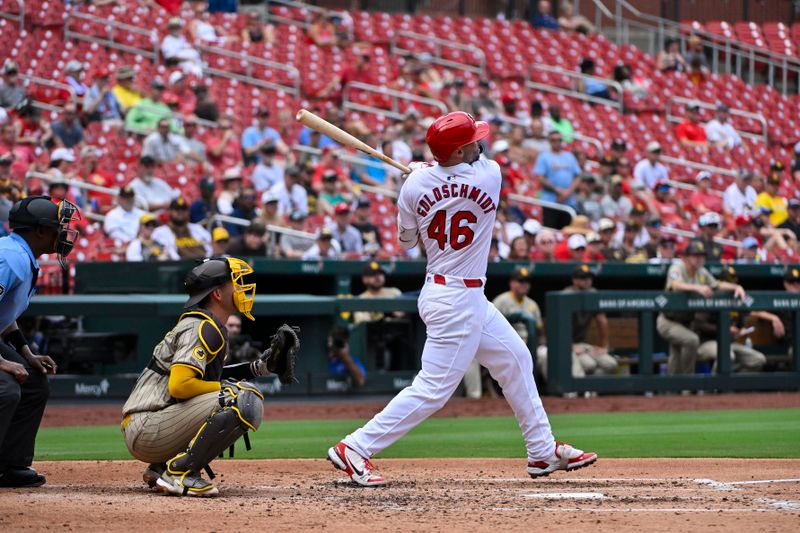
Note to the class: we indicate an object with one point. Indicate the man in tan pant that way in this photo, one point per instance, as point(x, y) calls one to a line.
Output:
point(688, 275)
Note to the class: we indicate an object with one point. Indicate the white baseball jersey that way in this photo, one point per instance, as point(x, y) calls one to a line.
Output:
point(453, 211)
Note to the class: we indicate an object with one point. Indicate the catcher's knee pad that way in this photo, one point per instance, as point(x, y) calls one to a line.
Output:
point(249, 406)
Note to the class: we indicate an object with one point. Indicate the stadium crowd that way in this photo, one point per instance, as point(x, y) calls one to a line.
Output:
point(198, 179)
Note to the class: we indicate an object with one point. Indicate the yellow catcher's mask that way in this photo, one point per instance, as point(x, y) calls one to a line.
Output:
point(212, 273)
point(243, 294)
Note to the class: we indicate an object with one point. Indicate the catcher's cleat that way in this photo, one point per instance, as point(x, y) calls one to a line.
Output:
point(358, 468)
point(152, 473)
point(187, 484)
point(565, 457)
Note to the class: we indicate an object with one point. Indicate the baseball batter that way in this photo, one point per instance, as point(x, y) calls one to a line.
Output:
point(450, 208)
point(186, 407)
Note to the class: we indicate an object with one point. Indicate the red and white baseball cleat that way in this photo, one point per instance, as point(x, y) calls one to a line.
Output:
point(358, 468)
point(565, 458)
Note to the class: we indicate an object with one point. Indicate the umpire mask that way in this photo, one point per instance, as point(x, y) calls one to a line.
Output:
point(37, 211)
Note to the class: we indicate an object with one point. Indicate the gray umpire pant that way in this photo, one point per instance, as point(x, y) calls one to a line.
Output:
point(683, 344)
point(21, 409)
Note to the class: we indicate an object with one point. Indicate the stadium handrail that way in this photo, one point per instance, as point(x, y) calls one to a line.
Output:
point(594, 141)
point(48, 83)
point(543, 203)
point(110, 26)
point(737, 55)
point(343, 155)
point(617, 103)
point(395, 48)
point(249, 61)
point(273, 229)
point(271, 17)
point(691, 235)
point(395, 94)
point(18, 16)
point(114, 191)
point(764, 137)
point(697, 166)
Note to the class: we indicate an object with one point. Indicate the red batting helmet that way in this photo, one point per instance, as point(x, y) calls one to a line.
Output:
point(452, 131)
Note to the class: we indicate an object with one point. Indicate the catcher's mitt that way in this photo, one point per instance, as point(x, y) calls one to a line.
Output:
point(282, 353)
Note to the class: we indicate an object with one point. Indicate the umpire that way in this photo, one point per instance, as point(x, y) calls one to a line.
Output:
point(39, 226)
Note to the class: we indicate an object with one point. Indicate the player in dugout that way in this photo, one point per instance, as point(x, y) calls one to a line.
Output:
point(187, 407)
point(39, 226)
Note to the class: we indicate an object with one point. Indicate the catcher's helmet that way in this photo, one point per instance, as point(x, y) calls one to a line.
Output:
point(452, 131)
point(212, 273)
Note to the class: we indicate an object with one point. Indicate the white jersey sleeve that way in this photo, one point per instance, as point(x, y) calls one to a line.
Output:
point(453, 210)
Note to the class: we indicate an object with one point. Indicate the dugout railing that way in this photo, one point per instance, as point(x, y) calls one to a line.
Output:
point(647, 305)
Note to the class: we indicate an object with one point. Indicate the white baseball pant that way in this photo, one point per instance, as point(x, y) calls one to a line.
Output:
point(461, 325)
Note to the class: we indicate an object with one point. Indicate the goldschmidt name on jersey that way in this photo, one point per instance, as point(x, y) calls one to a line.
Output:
point(455, 190)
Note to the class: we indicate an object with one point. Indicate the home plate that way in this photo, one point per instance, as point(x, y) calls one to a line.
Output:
point(567, 495)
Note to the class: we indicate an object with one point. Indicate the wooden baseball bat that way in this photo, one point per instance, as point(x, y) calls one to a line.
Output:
point(314, 122)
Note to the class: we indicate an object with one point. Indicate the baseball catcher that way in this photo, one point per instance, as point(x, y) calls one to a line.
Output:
point(187, 407)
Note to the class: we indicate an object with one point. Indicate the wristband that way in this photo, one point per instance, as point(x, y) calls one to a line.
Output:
point(16, 339)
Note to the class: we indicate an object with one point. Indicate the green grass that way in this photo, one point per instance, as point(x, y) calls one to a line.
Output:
point(744, 433)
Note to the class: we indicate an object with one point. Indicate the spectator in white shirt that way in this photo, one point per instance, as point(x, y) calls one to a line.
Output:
point(152, 193)
point(720, 131)
point(143, 247)
point(163, 146)
point(231, 189)
point(345, 233)
point(324, 248)
point(291, 195)
point(176, 47)
point(268, 172)
point(122, 222)
point(740, 196)
point(650, 171)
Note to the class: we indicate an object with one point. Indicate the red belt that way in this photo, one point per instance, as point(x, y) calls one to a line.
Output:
point(471, 283)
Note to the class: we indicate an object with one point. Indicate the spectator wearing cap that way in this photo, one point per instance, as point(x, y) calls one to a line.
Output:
point(530, 228)
point(243, 207)
point(181, 238)
point(124, 90)
point(294, 246)
point(606, 229)
point(720, 132)
point(521, 310)
point(290, 194)
point(12, 91)
point(557, 171)
point(269, 210)
point(206, 206)
point(163, 146)
point(232, 184)
point(706, 325)
point(664, 206)
point(220, 238)
point(690, 276)
point(261, 134)
point(665, 251)
point(370, 234)
point(100, 104)
point(325, 247)
point(575, 249)
point(588, 195)
point(555, 122)
point(67, 130)
point(650, 170)
point(771, 200)
point(143, 247)
point(594, 248)
point(122, 222)
point(144, 116)
point(792, 222)
point(252, 243)
point(32, 131)
point(373, 277)
point(615, 204)
point(591, 86)
point(749, 253)
point(348, 237)
point(73, 73)
point(268, 171)
point(617, 150)
point(484, 105)
point(206, 107)
point(690, 132)
point(593, 359)
point(222, 145)
point(152, 193)
point(740, 196)
point(710, 224)
point(704, 199)
point(176, 49)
